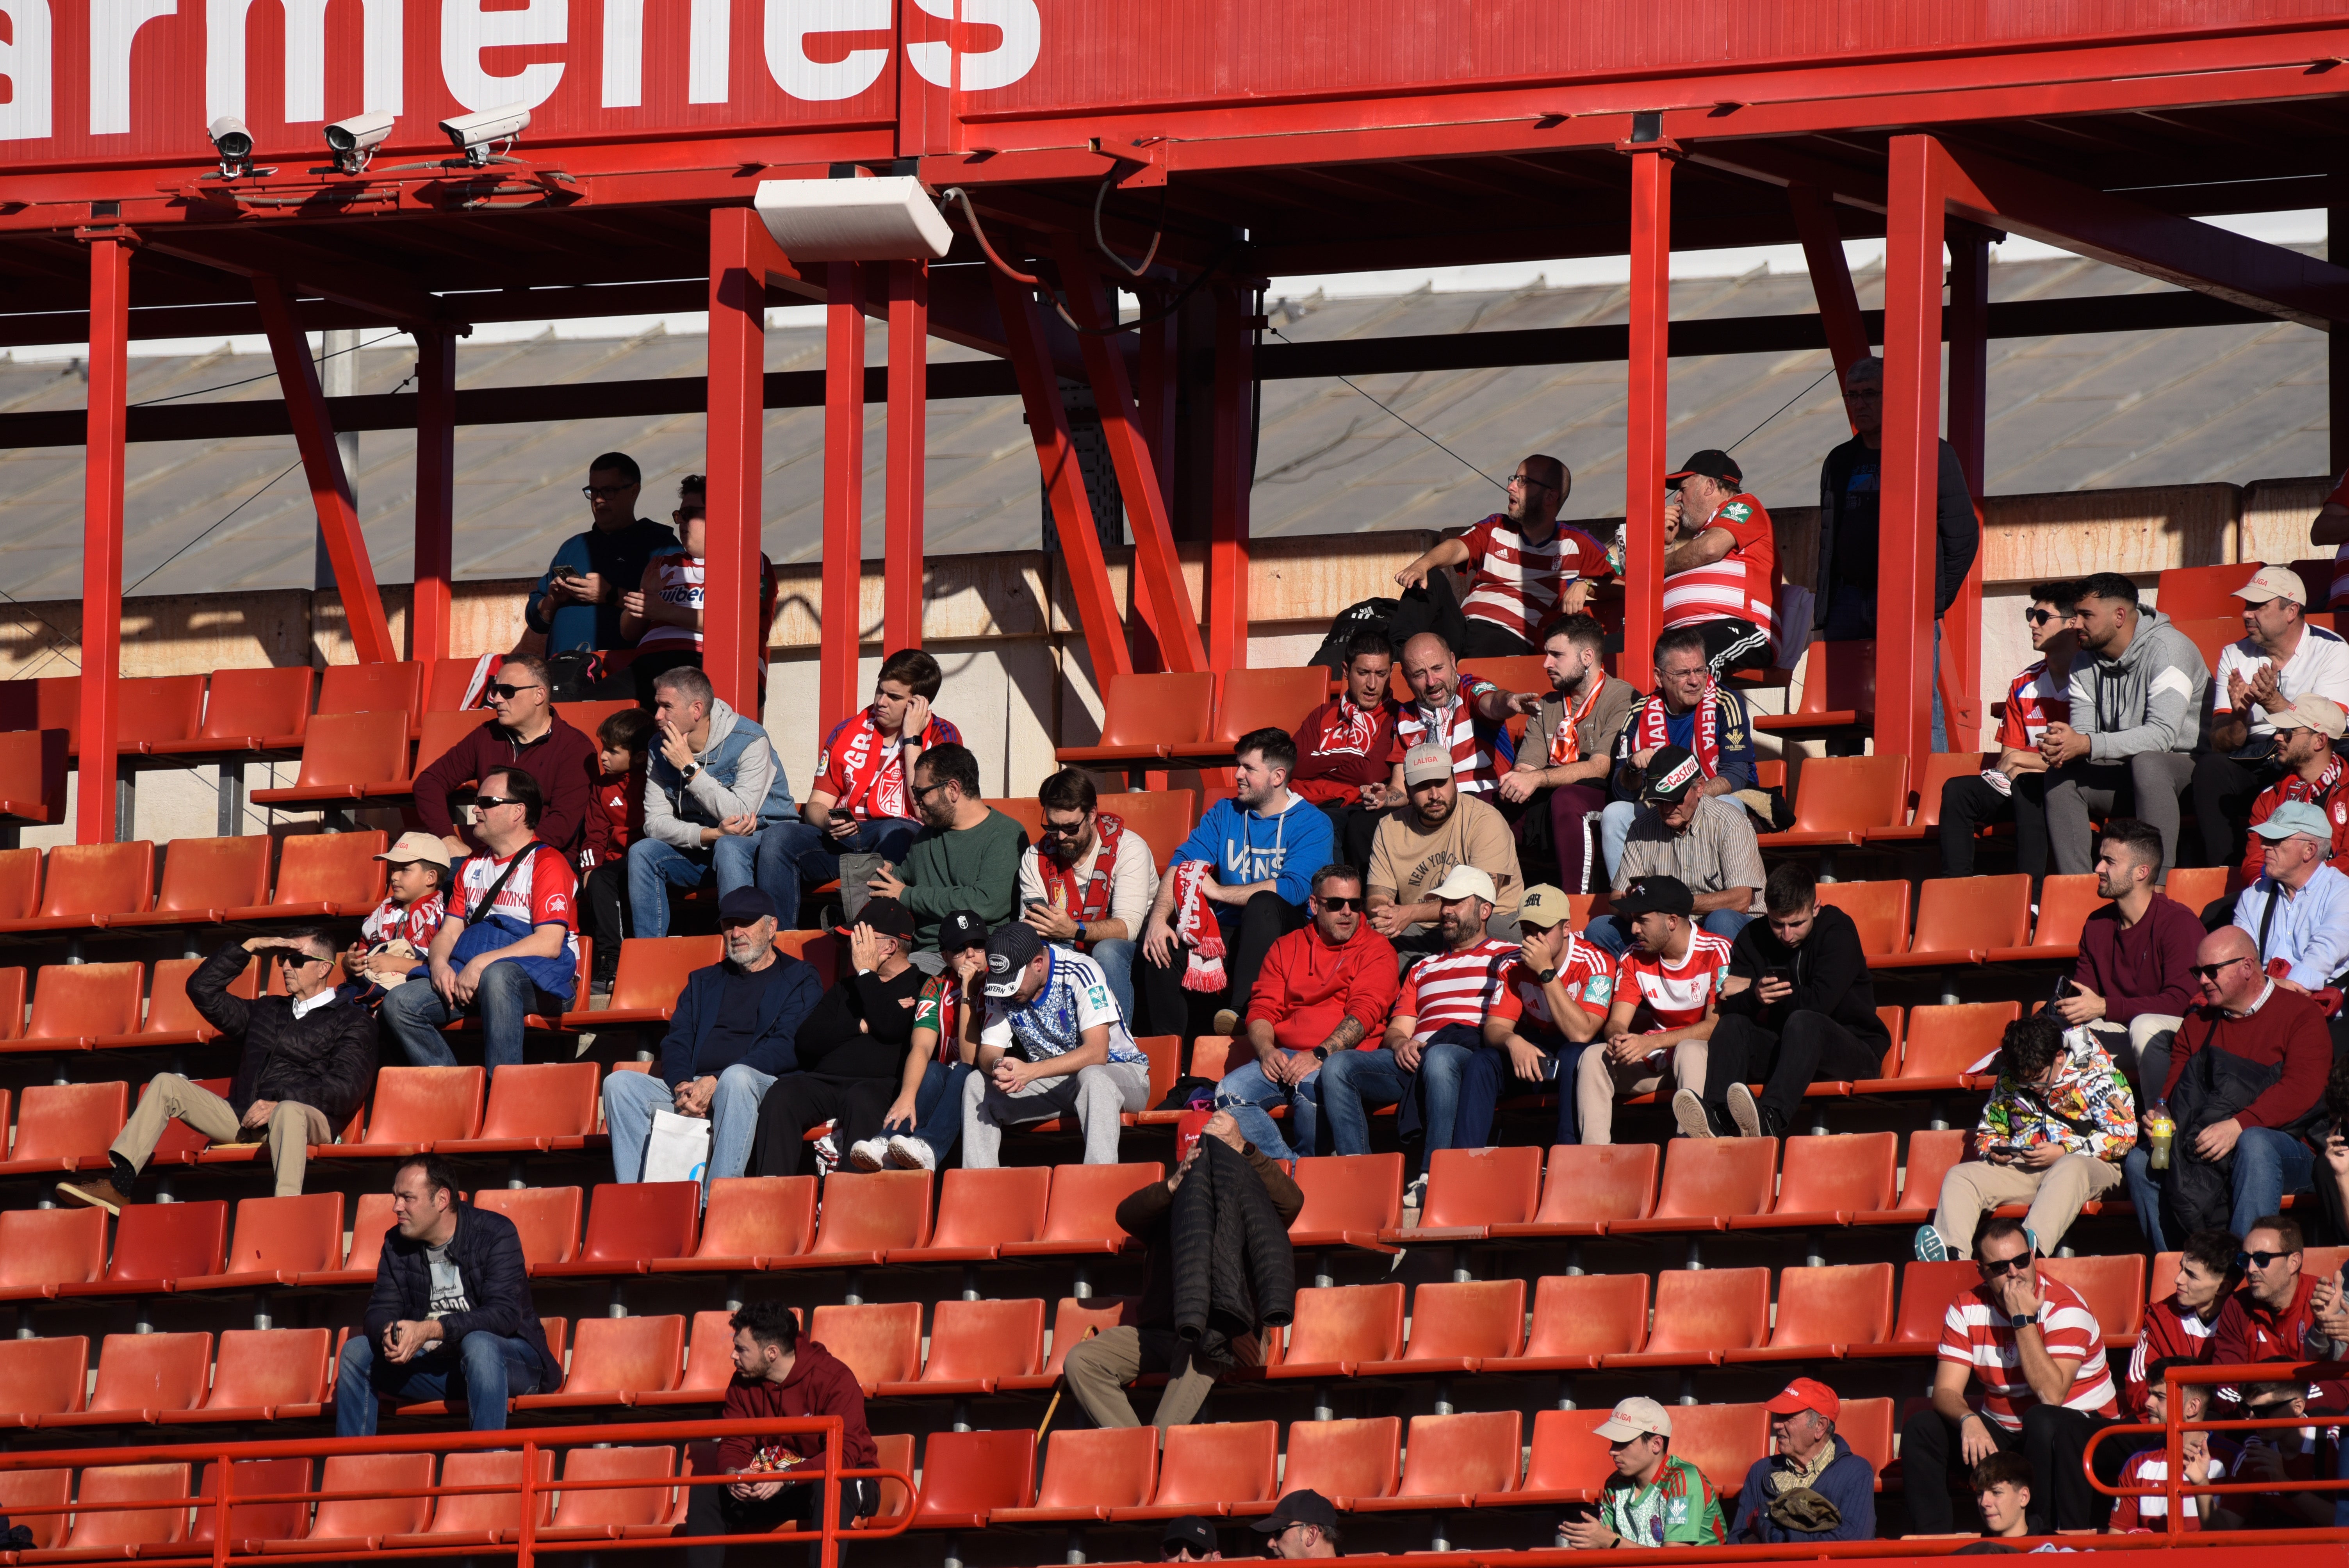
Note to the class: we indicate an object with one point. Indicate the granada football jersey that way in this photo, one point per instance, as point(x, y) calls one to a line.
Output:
point(1517, 583)
point(2034, 700)
point(1743, 583)
point(1678, 993)
point(542, 892)
point(1586, 971)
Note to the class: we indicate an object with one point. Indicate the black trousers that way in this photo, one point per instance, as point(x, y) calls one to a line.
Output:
point(714, 1511)
point(2053, 1439)
point(1970, 803)
point(1786, 1062)
point(1166, 1006)
point(1353, 827)
point(2223, 790)
point(798, 1101)
point(605, 893)
point(1732, 642)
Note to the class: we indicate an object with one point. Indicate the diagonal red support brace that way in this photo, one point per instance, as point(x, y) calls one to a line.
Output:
point(101, 565)
point(1968, 328)
point(1830, 276)
point(1912, 458)
point(902, 559)
point(322, 463)
point(1648, 414)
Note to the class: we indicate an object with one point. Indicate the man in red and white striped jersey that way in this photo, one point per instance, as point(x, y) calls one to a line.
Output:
point(2022, 1369)
point(2013, 789)
point(2181, 1326)
point(1721, 564)
point(1466, 715)
point(1666, 989)
point(1526, 566)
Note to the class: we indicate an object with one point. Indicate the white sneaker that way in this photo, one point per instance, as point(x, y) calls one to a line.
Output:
point(870, 1154)
point(1414, 1195)
point(826, 1153)
point(908, 1153)
point(1688, 1109)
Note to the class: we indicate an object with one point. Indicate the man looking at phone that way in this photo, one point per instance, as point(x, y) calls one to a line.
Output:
point(1551, 1007)
point(2135, 977)
point(1090, 883)
point(2279, 1454)
point(1667, 994)
point(712, 787)
point(525, 732)
point(576, 604)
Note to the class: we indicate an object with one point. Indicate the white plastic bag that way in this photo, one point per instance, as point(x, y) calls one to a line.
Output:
point(679, 1149)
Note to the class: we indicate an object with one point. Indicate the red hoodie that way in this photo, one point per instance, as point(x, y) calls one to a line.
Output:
point(1306, 986)
point(820, 1384)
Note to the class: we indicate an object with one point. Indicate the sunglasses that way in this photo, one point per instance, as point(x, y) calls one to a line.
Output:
point(2258, 1259)
point(2271, 1408)
point(1341, 902)
point(486, 801)
point(2041, 617)
point(303, 960)
point(600, 493)
point(506, 691)
point(1063, 830)
point(924, 791)
point(2016, 1264)
point(2211, 971)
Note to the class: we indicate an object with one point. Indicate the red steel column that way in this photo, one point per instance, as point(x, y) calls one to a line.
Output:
point(1912, 429)
point(1968, 334)
point(910, 369)
point(2336, 342)
point(1235, 477)
point(101, 564)
point(1644, 462)
point(731, 638)
point(843, 494)
point(436, 493)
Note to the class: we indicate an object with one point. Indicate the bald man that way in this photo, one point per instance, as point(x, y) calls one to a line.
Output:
point(1527, 568)
point(2246, 1079)
point(1466, 715)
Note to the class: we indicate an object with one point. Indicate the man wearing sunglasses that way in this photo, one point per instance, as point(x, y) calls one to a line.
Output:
point(2280, 1454)
point(2276, 1316)
point(1189, 1539)
point(525, 732)
point(576, 604)
point(2014, 788)
point(1088, 883)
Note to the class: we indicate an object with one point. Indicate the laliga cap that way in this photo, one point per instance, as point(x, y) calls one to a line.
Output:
point(2274, 582)
point(2321, 714)
point(1426, 765)
point(1636, 1419)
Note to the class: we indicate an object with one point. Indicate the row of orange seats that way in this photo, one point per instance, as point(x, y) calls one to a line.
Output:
point(81, 888)
point(1987, 919)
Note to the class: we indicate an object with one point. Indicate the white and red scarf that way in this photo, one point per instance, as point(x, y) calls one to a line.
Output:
point(1085, 901)
point(1707, 733)
point(1566, 740)
point(1348, 730)
point(1195, 927)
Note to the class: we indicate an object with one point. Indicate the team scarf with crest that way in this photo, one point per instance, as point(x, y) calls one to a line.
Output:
point(1707, 735)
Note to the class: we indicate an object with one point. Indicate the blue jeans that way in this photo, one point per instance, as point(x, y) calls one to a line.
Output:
point(1353, 1082)
point(1615, 937)
point(1442, 1060)
point(1250, 1097)
point(414, 1013)
point(1115, 957)
point(630, 1099)
point(492, 1366)
point(654, 868)
point(1488, 1077)
point(937, 1107)
point(795, 853)
point(2268, 1164)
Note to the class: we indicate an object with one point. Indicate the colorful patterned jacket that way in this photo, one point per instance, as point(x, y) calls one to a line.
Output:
point(2088, 1109)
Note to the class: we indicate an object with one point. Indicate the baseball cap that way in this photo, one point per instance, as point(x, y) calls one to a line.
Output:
point(959, 929)
point(1009, 950)
point(2321, 714)
point(1672, 772)
point(746, 902)
point(886, 916)
point(1656, 895)
point(1542, 906)
point(420, 847)
point(1307, 1507)
point(1467, 882)
point(1636, 1419)
point(1425, 764)
point(1189, 1530)
point(1807, 1394)
point(2294, 816)
point(2274, 582)
point(1712, 463)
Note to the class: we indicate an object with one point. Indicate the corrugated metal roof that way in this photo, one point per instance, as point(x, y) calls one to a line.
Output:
point(2121, 408)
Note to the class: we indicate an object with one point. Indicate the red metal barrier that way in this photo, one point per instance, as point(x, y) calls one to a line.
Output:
point(2174, 1432)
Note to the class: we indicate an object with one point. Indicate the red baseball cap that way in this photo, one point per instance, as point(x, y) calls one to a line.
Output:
point(1807, 1394)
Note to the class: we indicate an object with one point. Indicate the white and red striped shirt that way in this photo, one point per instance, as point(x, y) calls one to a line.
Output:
point(1584, 969)
point(417, 924)
point(1976, 1334)
point(1743, 583)
point(1678, 993)
point(2034, 699)
point(2140, 1515)
point(1481, 749)
point(1453, 987)
point(1517, 584)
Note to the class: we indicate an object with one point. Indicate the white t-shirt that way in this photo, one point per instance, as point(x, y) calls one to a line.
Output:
point(2320, 665)
point(1075, 997)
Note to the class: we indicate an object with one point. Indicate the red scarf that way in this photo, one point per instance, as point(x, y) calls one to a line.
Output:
point(1087, 901)
point(1651, 733)
point(1348, 731)
point(1566, 741)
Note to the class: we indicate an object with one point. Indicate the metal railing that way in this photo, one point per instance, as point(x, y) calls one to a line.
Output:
point(2174, 1489)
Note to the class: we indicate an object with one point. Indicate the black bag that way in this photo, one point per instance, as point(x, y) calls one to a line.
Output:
point(573, 676)
point(1370, 616)
point(14, 1537)
point(2215, 1085)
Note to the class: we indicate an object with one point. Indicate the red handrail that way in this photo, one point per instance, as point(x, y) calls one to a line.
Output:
point(2173, 1430)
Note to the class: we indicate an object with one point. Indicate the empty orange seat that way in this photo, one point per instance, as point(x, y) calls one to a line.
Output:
point(20, 883)
point(141, 1377)
point(1866, 1426)
point(368, 1223)
point(1722, 1441)
point(342, 754)
point(451, 684)
point(438, 734)
point(1838, 798)
point(415, 1108)
point(1879, 909)
point(632, 1222)
point(2112, 1286)
point(87, 883)
point(651, 976)
point(1469, 1190)
point(1828, 1181)
point(1082, 1214)
point(480, 1518)
point(2065, 905)
point(156, 1243)
point(157, 710)
point(1963, 920)
point(612, 1359)
point(324, 875)
point(750, 1220)
point(248, 710)
point(966, 1476)
point(1708, 1181)
point(1088, 1473)
point(1925, 794)
point(1568, 1460)
point(980, 1212)
point(1580, 1319)
point(1458, 1326)
point(100, 1530)
point(709, 1360)
point(41, 1249)
point(277, 1241)
point(1926, 1292)
point(1148, 717)
point(351, 1525)
point(881, 1342)
point(1163, 818)
point(24, 1488)
point(1258, 699)
point(2204, 593)
point(251, 1523)
point(42, 1377)
point(1701, 1315)
point(1823, 1311)
point(1347, 1461)
point(2197, 887)
point(32, 775)
point(266, 1375)
point(172, 1018)
point(61, 1126)
point(1221, 1470)
point(547, 1217)
point(1945, 1044)
point(1589, 1187)
point(533, 1107)
point(1450, 1462)
point(1349, 1199)
point(612, 1513)
point(975, 1345)
point(1931, 1153)
point(1338, 1328)
point(77, 1005)
point(44, 702)
point(865, 1216)
point(377, 688)
point(1838, 689)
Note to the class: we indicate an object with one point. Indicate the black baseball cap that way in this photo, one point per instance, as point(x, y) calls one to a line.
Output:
point(1298, 1507)
point(1656, 895)
point(1672, 772)
point(886, 916)
point(1009, 950)
point(959, 929)
point(1189, 1530)
point(746, 903)
point(1712, 463)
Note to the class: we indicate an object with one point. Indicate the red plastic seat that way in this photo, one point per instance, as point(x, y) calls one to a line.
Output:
point(2112, 1286)
point(1829, 1181)
point(156, 1243)
point(415, 1108)
point(249, 710)
point(1700, 1316)
point(975, 1345)
point(1931, 1153)
point(1349, 1199)
point(41, 1249)
point(99, 1529)
point(1458, 1326)
point(1469, 1190)
point(1838, 689)
point(157, 710)
point(1070, 1319)
point(251, 1523)
point(377, 688)
point(267, 1374)
point(1258, 699)
point(612, 1359)
point(587, 718)
point(342, 754)
point(1838, 798)
point(437, 734)
point(1338, 1328)
point(1146, 717)
point(480, 1518)
point(1866, 1426)
point(750, 1220)
point(77, 1005)
point(708, 1359)
point(369, 1220)
point(2065, 905)
point(1589, 1187)
point(1088, 1473)
point(2203, 592)
point(980, 1212)
point(172, 1018)
point(1347, 1461)
point(1223, 1469)
point(324, 875)
point(1925, 792)
point(1568, 1462)
point(1580, 1319)
point(534, 1106)
point(87, 882)
point(33, 770)
point(2197, 887)
point(453, 684)
point(547, 1217)
point(42, 1377)
point(352, 1525)
point(881, 1342)
point(1823, 1311)
point(1449, 1462)
point(632, 1222)
point(20, 883)
point(277, 1241)
point(651, 976)
point(1722, 1441)
point(1963, 920)
point(1707, 1183)
point(62, 1126)
point(24, 1488)
point(966, 1476)
point(44, 702)
point(613, 1513)
point(1163, 818)
point(821, 951)
point(1082, 1215)
point(1879, 909)
point(141, 1377)
point(1926, 1292)
point(1944, 1046)
point(866, 1215)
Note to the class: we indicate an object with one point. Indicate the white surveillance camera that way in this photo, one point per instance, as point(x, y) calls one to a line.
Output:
point(354, 141)
point(471, 134)
point(231, 140)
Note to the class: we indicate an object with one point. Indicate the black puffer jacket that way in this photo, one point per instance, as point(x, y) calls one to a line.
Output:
point(1149, 1215)
point(324, 1059)
point(1234, 1268)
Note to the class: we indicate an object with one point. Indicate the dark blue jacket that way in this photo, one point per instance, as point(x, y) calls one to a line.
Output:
point(1848, 1482)
point(788, 1002)
point(487, 1250)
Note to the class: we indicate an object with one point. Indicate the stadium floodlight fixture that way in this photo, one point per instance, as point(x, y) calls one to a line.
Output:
point(474, 134)
point(234, 145)
point(353, 141)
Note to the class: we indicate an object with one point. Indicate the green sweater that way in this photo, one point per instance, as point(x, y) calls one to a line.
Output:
point(977, 869)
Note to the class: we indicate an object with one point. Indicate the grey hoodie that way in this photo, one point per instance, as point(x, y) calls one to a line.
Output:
point(2148, 699)
point(739, 775)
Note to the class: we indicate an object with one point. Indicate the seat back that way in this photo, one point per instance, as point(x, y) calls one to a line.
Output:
point(991, 1208)
point(256, 705)
point(99, 879)
point(24, 1488)
point(1568, 1454)
point(2197, 887)
point(881, 1342)
point(2065, 905)
point(43, 1377)
point(1954, 913)
point(2113, 1285)
point(1711, 1309)
point(547, 1217)
point(32, 774)
point(1840, 794)
point(44, 702)
point(1159, 709)
point(370, 1222)
point(625, 1355)
point(1471, 1453)
point(180, 1142)
point(331, 868)
point(20, 880)
point(51, 1246)
point(1926, 1292)
point(818, 950)
point(1163, 818)
point(372, 1514)
point(631, 1222)
point(1223, 1462)
point(1716, 1176)
point(1267, 699)
point(441, 733)
point(169, 1241)
point(1840, 1305)
point(450, 683)
point(1851, 1170)
point(710, 1352)
point(1593, 1181)
point(1931, 1153)
point(1083, 1204)
point(1345, 1322)
point(155, 709)
point(426, 1105)
point(2204, 593)
point(976, 1472)
point(540, 1100)
point(372, 688)
point(1348, 1192)
point(1722, 1441)
point(1866, 1426)
point(1344, 1459)
point(213, 874)
point(874, 1211)
point(975, 1339)
point(1073, 1315)
point(1587, 1314)
point(73, 1000)
point(653, 969)
point(1481, 1187)
point(616, 1508)
point(1947, 1038)
point(1108, 1467)
point(1879, 909)
point(758, 1216)
point(1838, 677)
point(61, 1121)
point(12, 1002)
point(344, 749)
point(96, 1524)
point(1466, 1318)
point(272, 1367)
point(152, 1371)
point(466, 1514)
point(301, 1234)
point(1939, 767)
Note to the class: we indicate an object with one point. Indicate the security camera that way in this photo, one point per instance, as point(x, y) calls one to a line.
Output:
point(354, 141)
point(471, 134)
point(233, 143)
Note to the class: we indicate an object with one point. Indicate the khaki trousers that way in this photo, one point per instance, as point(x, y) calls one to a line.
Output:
point(1599, 1080)
point(169, 1098)
point(1971, 1189)
point(1099, 1370)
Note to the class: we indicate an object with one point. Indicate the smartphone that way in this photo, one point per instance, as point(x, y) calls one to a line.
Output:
point(2066, 987)
point(1031, 903)
point(842, 814)
point(1779, 972)
point(568, 573)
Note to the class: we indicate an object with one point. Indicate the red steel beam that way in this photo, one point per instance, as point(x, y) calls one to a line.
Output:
point(101, 564)
point(1831, 283)
point(910, 329)
point(1647, 414)
point(322, 464)
point(1064, 483)
point(1156, 368)
point(844, 496)
point(436, 493)
point(1966, 325)
point(1235, 477)
point(1911, 458)
point(742, 258)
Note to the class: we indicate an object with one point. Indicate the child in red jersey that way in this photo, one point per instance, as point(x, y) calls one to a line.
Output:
point(622, 746)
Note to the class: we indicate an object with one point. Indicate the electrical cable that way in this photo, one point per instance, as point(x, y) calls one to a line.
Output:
point(207, 532)
point(1214, 266)
point(1157, 234)
point(1431, 441)
point(1781, 408)
point(200, 391)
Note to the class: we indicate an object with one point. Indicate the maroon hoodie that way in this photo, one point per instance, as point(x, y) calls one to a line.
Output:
point(820, 1384)
point(563, 762)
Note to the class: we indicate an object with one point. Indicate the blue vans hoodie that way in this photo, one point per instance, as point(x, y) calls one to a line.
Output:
point(1285, 848)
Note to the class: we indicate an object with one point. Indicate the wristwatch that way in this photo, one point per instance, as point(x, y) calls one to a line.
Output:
point(1320, 1052)
point(2022, 1319)
point(1544, 977)
point(688, 772)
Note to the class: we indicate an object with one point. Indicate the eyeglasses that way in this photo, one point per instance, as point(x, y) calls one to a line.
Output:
point(2271, 1408)
point(2041, 617)
point(486, 801)
point(505, 691)
point(603, 492)
point(2211, 971)
point(1991, 1269)
point(924, 791)
point(1328, 902)
point(2258, 1259)
point(1530, 483)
